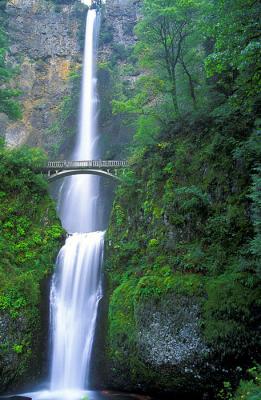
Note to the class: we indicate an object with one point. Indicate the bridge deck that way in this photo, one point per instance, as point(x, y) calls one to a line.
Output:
point(88, 164)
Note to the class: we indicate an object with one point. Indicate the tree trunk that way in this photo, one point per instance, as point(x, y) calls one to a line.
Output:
point(174, 94)
point(191, 84)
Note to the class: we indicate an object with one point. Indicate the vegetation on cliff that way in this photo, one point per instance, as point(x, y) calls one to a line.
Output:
point(186, 220)
point(8, 103)
point(29, 242)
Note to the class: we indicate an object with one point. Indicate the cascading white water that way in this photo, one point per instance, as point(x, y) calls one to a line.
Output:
point(76, 285)
point(75, 294)
point(78, 205)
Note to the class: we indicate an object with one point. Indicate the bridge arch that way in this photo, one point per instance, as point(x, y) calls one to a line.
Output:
point(62, 174)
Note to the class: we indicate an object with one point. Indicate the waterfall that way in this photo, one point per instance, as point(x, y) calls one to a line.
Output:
point(76, 284)
point(75, 293)
point(80, 194)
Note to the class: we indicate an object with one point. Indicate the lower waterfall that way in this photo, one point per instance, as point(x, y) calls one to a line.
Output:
point(75, 293)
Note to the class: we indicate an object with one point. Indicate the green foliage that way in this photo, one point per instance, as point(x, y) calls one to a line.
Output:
point(226, 392)
point(237, 49)
point(185, 223)
point(250, 389)
point(8, 104)
point(120, 52)
point(114, 86)
point(106, 35)
point(186, 218)
point(165, 282)
point(198, 57)
point(230, 304)
point(18, 348)
point(30, 236)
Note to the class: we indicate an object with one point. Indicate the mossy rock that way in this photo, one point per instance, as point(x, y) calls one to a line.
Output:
point(155, 336)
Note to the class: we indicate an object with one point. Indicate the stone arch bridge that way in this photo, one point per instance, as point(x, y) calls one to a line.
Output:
point(59, 169)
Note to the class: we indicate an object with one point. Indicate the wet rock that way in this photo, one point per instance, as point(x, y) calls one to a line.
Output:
point(172, 337)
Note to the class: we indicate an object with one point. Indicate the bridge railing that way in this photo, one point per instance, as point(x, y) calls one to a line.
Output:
point(85, 164)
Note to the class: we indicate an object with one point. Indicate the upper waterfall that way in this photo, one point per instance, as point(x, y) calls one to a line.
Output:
point(80, 194)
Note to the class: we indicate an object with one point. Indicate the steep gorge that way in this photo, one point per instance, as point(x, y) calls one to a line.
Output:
point(181, 264)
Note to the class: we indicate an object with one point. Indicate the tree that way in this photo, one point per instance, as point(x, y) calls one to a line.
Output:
point(234, 26)
point(163, 34)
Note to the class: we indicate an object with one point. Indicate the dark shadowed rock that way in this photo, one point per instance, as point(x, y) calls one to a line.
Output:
point(16, 398)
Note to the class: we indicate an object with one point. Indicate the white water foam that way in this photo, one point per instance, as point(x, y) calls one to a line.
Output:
point(76, 291)
point(79, 196)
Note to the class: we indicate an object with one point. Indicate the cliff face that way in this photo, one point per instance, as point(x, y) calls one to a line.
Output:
point(117, 72)
point(45, 47)
point(121, 16)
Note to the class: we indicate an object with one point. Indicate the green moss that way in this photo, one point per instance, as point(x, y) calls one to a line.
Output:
point(230, 321)
point(122, 342)
point(157, 286)
point(122, 326)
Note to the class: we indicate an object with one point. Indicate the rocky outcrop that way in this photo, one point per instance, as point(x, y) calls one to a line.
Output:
point(155, 344)
point(45, 48)
point(171, 335)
